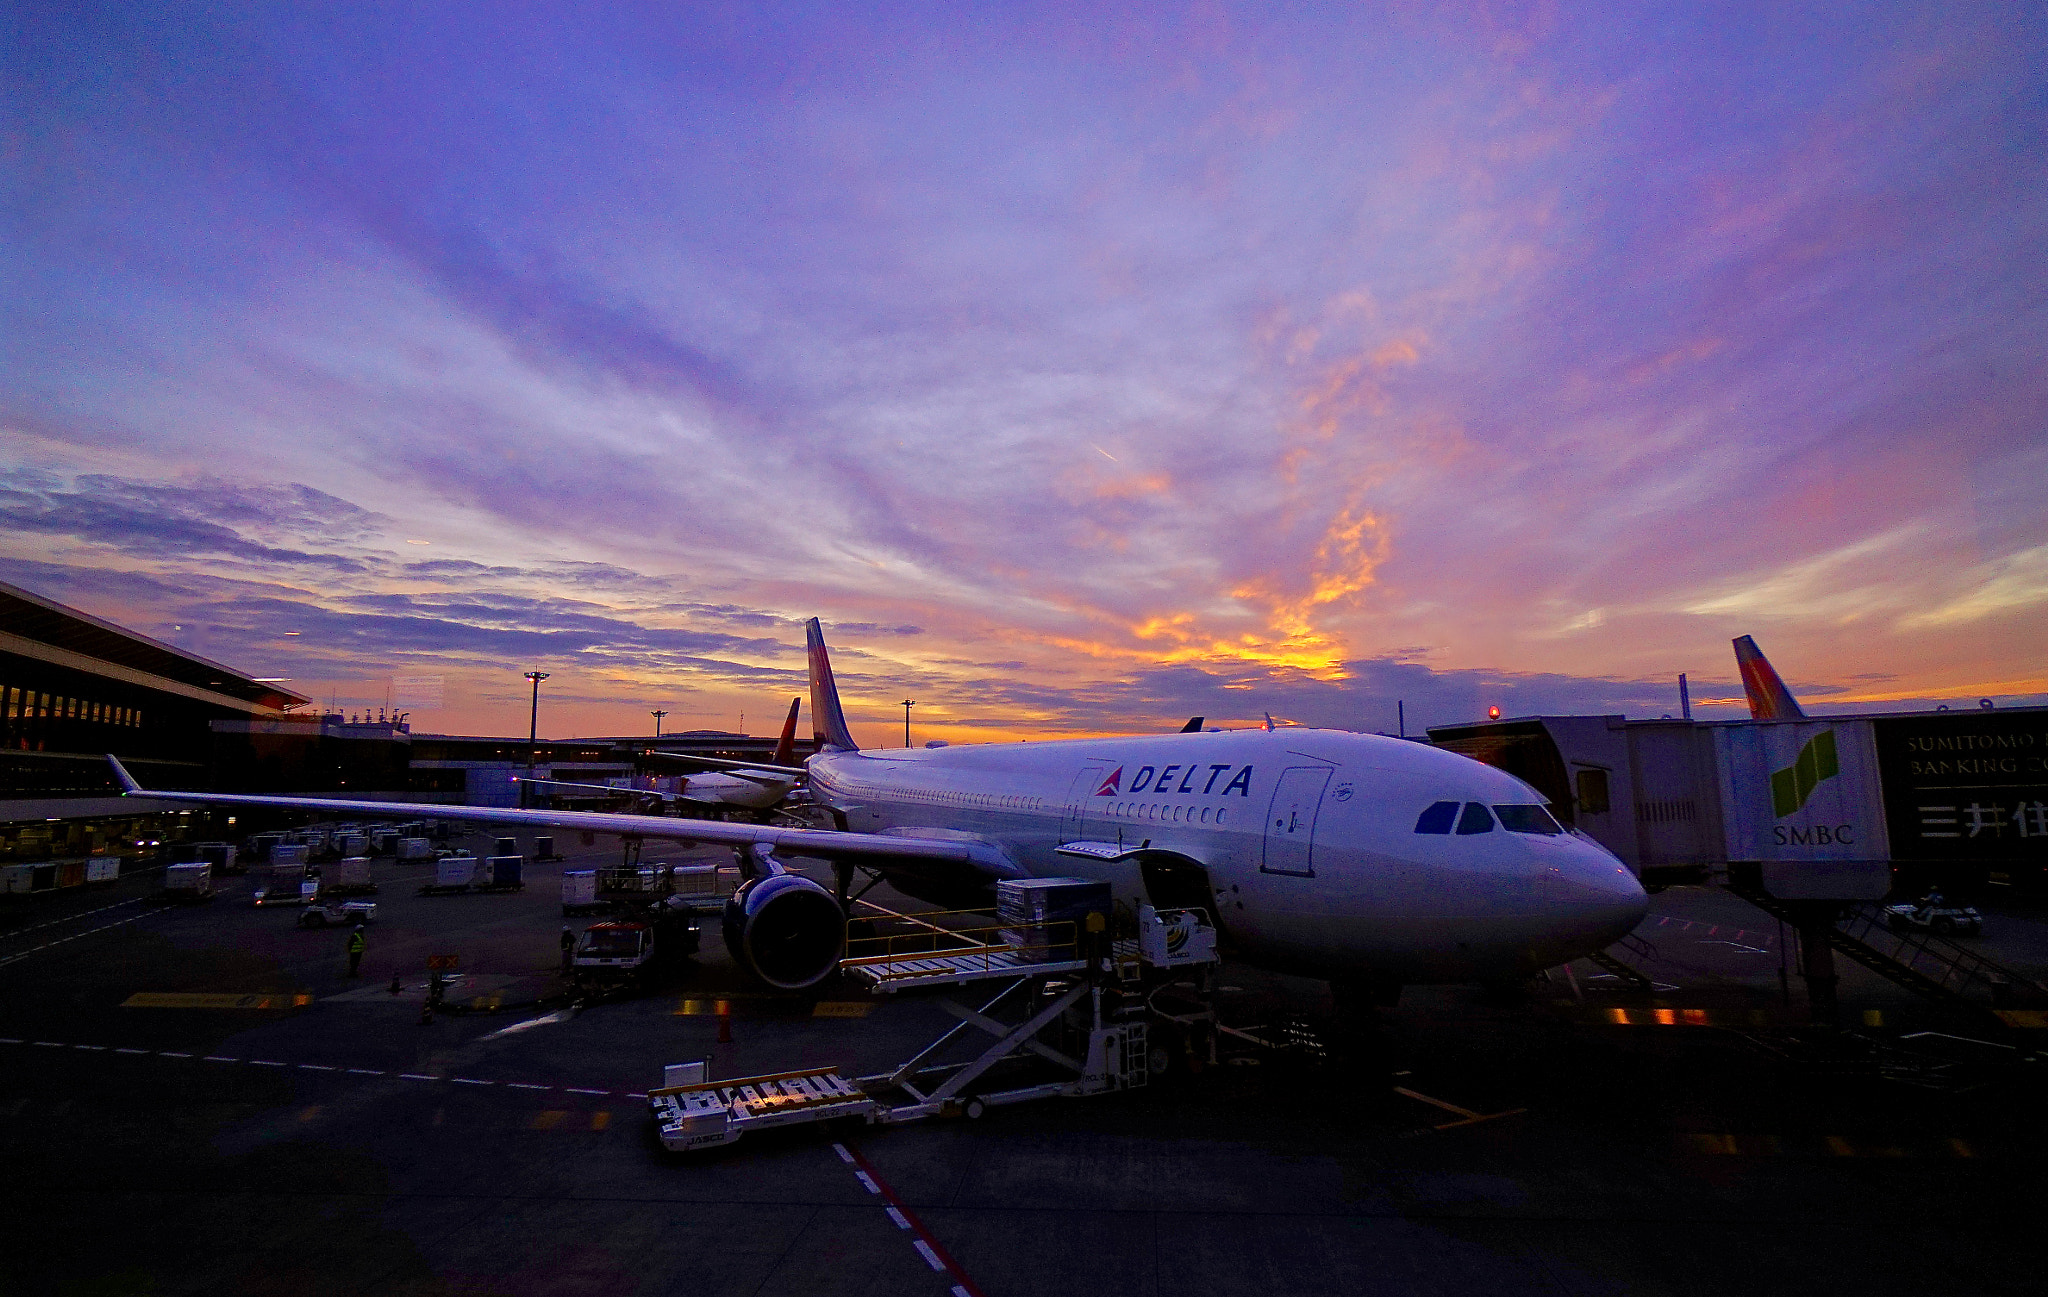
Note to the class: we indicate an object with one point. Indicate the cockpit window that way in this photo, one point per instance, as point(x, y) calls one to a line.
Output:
point(1437, 819)
point(1475, 819)
point(1527, 819)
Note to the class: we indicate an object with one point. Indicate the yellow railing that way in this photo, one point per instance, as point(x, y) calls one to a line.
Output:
point(982, 943)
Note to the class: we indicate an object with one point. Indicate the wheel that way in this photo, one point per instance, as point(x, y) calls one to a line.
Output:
point(1946, 927)
point(1158, 1061)
point(974, 1109)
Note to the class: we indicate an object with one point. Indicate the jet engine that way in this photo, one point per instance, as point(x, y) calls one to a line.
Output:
point(786, 930)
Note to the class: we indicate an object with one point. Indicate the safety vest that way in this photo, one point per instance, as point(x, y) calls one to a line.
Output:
point(355, 943)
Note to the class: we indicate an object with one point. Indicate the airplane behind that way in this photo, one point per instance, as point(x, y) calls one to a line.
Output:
point(1368, 861)
point(1769, 699)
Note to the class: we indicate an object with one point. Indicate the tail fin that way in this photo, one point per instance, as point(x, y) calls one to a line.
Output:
point(828, 722)
point(1769, 699)
point(1194, 725)
point(785, 747)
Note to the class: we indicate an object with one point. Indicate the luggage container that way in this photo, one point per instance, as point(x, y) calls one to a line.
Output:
point(507, 847)
point(703, 887)
point(454, 874)
point(291, 853)
point(1039, 914)
point(261, 844)
point(103, 872)
point(350, 876)
point(19, 879)
point(280, 886)
point(70, 873)
point(579, 891)
point(188, 882)
point(383, 842)
point(221, 855)
point(544, 848)
point(415, 849)
point(501, 874)
point(352, 844)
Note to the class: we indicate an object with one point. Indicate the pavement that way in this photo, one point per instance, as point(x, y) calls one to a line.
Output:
point(200, 1100)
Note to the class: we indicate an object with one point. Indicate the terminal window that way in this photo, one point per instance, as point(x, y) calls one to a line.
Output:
point(1592, 790)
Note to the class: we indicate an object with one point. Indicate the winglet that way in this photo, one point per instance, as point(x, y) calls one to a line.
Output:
point(1769, 699)
point(785, 747)
point(1269, 722)
point(128, 784)
point(828, 722)
point(1194, 725)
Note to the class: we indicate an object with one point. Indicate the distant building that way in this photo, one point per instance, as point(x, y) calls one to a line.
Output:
point(74, 688)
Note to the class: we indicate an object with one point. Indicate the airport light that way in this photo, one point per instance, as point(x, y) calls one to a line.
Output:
point(1493, 713)
point(907, 705)
point(532, 733)
point(657, 715)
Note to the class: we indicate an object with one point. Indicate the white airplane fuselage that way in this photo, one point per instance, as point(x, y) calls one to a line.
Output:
point(1308, 839)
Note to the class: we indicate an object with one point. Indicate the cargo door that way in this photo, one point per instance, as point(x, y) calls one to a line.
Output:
point(1291, 821)
point(1081, 800)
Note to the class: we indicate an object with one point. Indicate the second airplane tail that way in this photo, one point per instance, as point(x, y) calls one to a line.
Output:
point(1769, 699)
point(785, 747)
point(828, 722)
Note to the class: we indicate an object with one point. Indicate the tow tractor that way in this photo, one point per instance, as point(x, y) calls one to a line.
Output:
point(618, 952)
point(319, 914)
point(1078, 1006)
point(1933, 914)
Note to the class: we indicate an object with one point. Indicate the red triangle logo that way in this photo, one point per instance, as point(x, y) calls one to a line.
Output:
point(1111, 784)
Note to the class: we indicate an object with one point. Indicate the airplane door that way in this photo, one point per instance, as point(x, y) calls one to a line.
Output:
point(1291, 821)
point(1080, 797)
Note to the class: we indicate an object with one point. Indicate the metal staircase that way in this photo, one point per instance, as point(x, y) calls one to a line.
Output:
point(1933, 967)
point(1636, 946)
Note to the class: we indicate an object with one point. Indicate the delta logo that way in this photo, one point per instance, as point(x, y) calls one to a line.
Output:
point(1111, 784)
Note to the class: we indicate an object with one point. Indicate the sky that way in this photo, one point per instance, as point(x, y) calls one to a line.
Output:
point(1081, 370)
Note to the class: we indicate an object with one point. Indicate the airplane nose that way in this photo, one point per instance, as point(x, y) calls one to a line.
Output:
point(1605, 900)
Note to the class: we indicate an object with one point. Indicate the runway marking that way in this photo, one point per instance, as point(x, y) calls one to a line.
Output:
point(1466, 1116)
point(207, 1000)
point(1745, 1145)
point(69, 918)
point(49, 945)
point(331, 1067)
point(927, 1247)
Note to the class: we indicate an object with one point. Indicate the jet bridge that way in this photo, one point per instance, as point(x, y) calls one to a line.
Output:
point(1071, 1015)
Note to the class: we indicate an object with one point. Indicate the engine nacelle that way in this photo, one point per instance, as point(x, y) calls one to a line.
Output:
point(785, 930)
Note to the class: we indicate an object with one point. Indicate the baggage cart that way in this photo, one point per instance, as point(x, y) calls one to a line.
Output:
point(188, 883)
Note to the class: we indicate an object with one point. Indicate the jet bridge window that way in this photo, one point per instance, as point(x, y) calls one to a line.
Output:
point(1475, 819)
point(1438, 818)
point(1527, 819)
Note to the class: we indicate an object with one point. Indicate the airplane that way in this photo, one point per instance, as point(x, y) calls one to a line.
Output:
point(748, 786)
point(1364, 860)
point(1769, 699)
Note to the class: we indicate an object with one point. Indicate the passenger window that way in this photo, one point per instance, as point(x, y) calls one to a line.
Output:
point(1527, 819)
point(1437, 819)
point(1592, 792)
point(1475, 819)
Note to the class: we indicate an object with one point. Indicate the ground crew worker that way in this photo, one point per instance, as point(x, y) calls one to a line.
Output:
point(568, 948)
point(355, 950)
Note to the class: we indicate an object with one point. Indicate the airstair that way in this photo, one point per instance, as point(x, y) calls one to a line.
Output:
point(1940, 970)
point(1070, 1016)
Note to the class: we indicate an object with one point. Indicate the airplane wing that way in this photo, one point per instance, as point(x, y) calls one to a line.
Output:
point(763, 770)
point(825, 843)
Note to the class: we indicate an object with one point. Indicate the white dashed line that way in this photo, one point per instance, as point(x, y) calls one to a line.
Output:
point(463, 1080)
point(868, 1181)
point(264, 1062)
point(318, 1067)
point(931, 1258)
point(844, 1156)
point(130, 1051)
point(414, 1076)
point(9, 1040)
point(526, 1085)
point(96, 1048)
point(897, 1216)
point(958, 1291)
point(573, 1090)
point(168, 1054)
point(69, 918)
point(51, 1044)
point(364, 1071)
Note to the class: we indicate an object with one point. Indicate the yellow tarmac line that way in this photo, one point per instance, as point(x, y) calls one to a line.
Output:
point(202, 1000)
point(1439, 1103)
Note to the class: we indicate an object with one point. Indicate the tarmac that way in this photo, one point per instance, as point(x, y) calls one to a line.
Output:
point(200, 1100)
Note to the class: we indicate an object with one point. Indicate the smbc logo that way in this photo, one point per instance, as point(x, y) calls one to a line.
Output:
point(1816, 763)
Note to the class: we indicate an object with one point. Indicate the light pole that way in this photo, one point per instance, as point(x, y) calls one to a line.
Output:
point(657, 715)
point(532, 732)
point(907, 705)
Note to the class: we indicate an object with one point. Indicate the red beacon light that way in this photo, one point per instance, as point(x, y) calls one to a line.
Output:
point(1493, 713)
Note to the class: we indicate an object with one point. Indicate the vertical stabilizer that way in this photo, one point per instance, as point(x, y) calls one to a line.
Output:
point(785, 747)
point(828, 722)
point(1769, 699)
